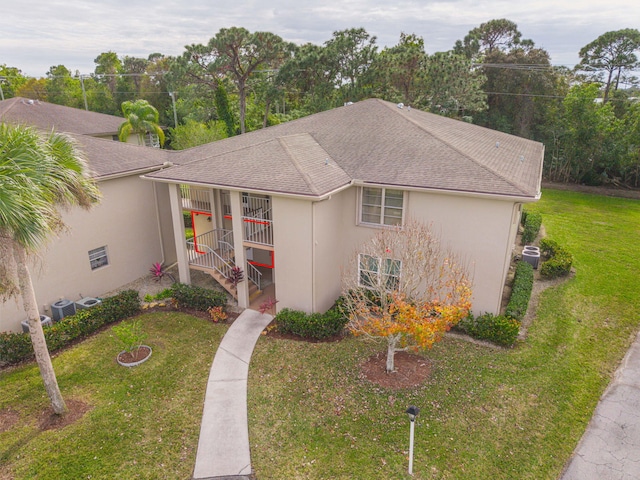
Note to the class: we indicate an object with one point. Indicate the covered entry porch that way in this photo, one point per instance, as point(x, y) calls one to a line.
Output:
point(232, 240)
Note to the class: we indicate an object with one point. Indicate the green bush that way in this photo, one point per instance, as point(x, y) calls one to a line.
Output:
point(520, 291)
point(533, 221)
point(16, 347)
point(186, 216)
point(315, 325)
point(198, 298)
point(166, 293)
point(498, 329)
point(559, 259)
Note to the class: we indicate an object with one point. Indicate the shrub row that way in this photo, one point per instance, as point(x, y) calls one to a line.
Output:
point(520, 291)
point(198, 298)
point(532, 223)
point(314, 325)
point(498, 329)
point(15, 347)
point(559, 262)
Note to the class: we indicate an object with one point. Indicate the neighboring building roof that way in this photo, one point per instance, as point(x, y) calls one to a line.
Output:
point(372, 141)
point(47, 116)
point(108, 158)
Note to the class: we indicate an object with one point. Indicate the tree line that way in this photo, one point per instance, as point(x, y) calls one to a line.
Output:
point(588, 117)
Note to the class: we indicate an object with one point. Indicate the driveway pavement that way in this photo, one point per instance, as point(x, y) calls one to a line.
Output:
point(610, 447)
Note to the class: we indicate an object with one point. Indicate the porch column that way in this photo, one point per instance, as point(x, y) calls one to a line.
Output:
point(238, 247)
point(217, 202)
point(178, 233)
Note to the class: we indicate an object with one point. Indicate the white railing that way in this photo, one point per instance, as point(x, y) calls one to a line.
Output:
point(254, 275)
point(258, 230)
point(205, 256)
point(195, 198)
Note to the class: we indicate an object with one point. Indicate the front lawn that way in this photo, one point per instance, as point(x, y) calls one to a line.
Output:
point(143, 422)
point(485, 413)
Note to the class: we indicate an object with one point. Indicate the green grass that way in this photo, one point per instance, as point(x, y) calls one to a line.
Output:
point(485, 413)
point(144, 421)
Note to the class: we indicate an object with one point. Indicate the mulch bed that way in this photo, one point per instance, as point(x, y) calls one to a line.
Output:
point(50, 421)
point(411, 370)
point(135, 355)
point(8, 418)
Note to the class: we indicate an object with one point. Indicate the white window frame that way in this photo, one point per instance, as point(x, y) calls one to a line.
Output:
point(98, 258)
point(391, 268)
point(367, 214)
point(151, 140)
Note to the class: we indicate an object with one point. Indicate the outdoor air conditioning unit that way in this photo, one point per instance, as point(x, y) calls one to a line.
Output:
point(62, 308)
point(44, 320)
point(531, 254)
point(88, 302)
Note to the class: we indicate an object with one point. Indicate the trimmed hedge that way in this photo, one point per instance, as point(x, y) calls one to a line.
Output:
point(198, 298)
point(314, 325)
point(16, 347)
point(532, 223)
point(498, 329)
point(559, 262)
point(520, 291)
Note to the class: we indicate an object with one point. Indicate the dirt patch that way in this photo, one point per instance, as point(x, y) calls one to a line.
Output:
point(8, 418)
point(50, 421)
point(411, 370)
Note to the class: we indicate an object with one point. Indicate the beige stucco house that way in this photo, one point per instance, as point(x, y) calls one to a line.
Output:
point(290, 204)
point(118, 240)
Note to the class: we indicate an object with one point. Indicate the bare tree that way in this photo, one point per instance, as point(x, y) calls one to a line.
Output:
point(404, 286)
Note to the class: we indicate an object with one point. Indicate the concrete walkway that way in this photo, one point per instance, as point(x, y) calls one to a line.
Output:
point(223, 447)
point(610, 447)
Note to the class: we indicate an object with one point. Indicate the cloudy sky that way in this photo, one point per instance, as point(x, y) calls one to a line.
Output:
point(38, 34)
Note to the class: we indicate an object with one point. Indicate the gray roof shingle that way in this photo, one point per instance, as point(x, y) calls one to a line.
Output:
point(47, 116)
point(372, 141)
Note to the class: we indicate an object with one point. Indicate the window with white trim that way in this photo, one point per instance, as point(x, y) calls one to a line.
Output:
point(381, 206)
point(375, 272)
point(98, 257)
point(151, 140)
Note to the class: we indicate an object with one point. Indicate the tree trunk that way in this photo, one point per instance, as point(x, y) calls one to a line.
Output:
point(392, 343)
point(267, 107)
point(242, 97)
point(35, 331)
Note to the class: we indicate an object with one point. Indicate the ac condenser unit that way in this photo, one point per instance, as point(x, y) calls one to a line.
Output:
point(88, 302)
point(44, 320)
point(62, 308)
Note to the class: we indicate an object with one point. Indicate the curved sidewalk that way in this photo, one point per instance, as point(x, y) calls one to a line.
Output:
point(610, 447)
point(223, 447)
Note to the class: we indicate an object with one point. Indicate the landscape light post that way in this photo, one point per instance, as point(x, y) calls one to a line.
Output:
point(413, 413)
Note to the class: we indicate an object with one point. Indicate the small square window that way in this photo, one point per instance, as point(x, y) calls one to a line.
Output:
point(381, 206)
point(376, 271)
point(98, 257)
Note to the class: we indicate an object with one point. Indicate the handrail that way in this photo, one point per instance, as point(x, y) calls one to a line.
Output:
point(258, 230)
point(207, 257)
point(254, 275)
point(194, 198)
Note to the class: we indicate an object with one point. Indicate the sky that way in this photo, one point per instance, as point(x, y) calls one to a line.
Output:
point(38, 34)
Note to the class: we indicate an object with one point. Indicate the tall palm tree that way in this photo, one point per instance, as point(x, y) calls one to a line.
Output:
point(39, 174)
point(141, 117)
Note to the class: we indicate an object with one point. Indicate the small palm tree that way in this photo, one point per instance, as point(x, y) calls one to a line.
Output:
point(141, 118)
point(39, 173)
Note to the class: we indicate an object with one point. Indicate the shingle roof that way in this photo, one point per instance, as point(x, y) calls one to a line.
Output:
point(372, 141)
point(47, 116)
point(107, 158)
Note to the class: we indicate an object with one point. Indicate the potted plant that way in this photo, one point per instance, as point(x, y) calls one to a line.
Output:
point(130, 336)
